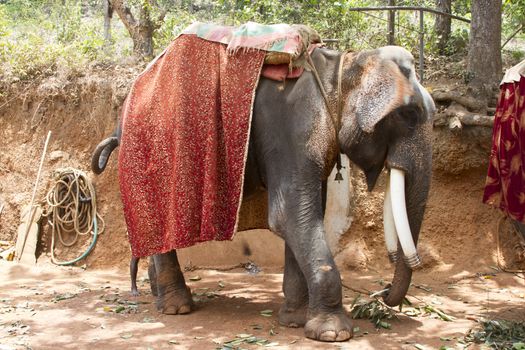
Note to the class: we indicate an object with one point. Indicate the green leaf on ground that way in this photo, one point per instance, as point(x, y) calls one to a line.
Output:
point(423, 287)
point(499, 334)
point(119, 309)
point(267, 313)
point(243, 335)
point(439, 313)
point(375, 310)
point(384, 325)
point(65, 296)
point(245, 339)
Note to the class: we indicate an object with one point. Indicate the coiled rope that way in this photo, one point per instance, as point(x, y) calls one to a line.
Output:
point(72, 210)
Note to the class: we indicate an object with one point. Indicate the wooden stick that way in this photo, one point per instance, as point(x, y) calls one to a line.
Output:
point(466, 101)
point(477, 120)
point(32, 211)
point(512, 36)
point(361, 291)
point(454, 123)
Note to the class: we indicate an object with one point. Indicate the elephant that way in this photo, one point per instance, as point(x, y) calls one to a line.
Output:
point(383, 121)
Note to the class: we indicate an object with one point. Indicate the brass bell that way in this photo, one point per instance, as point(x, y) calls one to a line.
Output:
point(338, 176)
point(338, 166)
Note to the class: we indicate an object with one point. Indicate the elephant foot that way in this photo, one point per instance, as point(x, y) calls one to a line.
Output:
point(292, 317)
point(178, 302)
point(329, 327)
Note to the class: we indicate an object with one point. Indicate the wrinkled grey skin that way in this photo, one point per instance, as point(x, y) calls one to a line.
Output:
point(292, 149)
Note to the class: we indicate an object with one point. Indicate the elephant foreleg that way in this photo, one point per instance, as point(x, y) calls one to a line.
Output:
point(296, 213)
point(295, 289)
point(326, 319)
point(173, 295)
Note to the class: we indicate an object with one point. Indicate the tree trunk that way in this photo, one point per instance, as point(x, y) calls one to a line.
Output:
point(141, 30)
point(484, 55)
point(108, 14)
point(442, 24)
point(391, 23)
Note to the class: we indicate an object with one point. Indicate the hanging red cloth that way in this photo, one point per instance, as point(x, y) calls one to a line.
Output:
point(185, 130)
point(505, 183)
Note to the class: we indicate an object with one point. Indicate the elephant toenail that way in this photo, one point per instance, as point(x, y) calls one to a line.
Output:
point(327, 336)
point(343, 335)
point(170, 310)
point(185, 309)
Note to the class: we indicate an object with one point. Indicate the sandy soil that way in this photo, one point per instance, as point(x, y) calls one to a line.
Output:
point(68, 308)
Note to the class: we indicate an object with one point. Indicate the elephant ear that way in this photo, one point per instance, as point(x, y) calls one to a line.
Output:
point(382, 89)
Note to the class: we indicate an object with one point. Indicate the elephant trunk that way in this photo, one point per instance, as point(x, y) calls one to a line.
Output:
point(411, 165)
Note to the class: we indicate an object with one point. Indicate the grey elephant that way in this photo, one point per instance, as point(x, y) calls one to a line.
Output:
point(383, 120)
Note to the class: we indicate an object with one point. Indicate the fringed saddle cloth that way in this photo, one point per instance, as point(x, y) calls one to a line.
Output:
point(185, 132)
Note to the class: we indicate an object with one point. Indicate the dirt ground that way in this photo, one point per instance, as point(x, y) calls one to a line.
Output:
point(70, 308)
point(50, 307)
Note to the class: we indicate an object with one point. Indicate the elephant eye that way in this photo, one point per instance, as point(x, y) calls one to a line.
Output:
point(406, 71)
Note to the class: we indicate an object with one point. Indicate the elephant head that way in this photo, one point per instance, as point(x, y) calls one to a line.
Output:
point(386, 121)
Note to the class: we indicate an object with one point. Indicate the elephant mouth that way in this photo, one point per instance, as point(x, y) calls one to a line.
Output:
point(395, 221)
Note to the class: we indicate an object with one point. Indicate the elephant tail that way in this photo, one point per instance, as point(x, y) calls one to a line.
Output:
point(102, 153)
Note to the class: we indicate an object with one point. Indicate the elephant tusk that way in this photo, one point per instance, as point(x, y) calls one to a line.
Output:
point(389, 226)
point(397, 192)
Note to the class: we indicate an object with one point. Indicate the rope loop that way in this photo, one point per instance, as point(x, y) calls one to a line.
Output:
point(72, 211)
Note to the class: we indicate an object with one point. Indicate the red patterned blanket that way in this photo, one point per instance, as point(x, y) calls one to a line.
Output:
point(505, 183)
point(185, 132)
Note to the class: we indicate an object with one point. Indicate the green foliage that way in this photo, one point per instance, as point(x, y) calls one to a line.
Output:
point(4, 22)
point(374, 310)
point(517, 55)
point(458, 41)
point(513, 12)
point(172, 26)
point(38, 34)
point(499, 334)
point(513, 17)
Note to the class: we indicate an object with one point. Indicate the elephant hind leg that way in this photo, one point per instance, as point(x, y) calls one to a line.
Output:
point(173, 295)
point(295, 289)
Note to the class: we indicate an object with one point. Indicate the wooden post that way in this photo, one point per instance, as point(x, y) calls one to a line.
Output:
point(108, 13)
point(391, 23)
point(421, 44)
point(30, 226)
